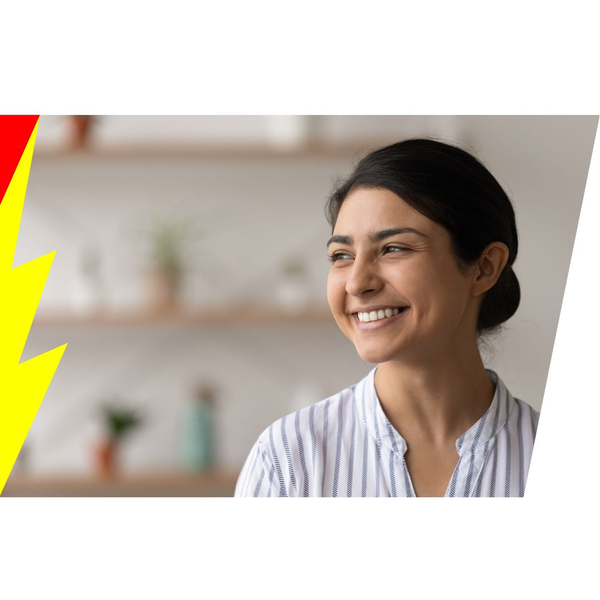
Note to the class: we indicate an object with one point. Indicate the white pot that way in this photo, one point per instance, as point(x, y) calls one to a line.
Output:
point(288, 132)
point(293, 295)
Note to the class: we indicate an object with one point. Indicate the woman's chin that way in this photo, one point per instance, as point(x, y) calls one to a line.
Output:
point(375, 355)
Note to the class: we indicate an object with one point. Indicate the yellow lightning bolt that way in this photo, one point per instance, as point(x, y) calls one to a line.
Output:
point(22, 386)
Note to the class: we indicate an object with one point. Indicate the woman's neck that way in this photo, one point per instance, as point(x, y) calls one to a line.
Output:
point(436, 401)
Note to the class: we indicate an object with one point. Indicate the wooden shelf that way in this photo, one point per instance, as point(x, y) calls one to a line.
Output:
point(209, 151)
point(209, 315)
point(215, 483)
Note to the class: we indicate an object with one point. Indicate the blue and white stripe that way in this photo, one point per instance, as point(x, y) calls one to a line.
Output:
point(346, 446)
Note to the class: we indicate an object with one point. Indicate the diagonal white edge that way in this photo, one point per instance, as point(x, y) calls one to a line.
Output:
point(565, 456)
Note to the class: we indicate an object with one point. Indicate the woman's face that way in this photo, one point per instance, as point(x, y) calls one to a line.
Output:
point(377, 267)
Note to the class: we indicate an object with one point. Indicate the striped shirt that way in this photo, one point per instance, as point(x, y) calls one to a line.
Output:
point(346, 446)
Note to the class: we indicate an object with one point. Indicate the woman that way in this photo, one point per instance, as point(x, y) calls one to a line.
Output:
point(423, 243)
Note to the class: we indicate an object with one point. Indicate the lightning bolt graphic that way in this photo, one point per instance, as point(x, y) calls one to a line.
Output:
point(22, 385)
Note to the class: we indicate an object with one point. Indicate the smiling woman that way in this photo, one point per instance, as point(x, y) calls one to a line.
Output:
point(423, 243)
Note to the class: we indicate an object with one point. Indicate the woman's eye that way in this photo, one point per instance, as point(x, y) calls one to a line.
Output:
point(337, 256)
point(394, 249)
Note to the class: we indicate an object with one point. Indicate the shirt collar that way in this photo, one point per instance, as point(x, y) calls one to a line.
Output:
point(494, 419)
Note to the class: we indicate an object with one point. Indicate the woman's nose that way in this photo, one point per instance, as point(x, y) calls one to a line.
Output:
point(363, 278)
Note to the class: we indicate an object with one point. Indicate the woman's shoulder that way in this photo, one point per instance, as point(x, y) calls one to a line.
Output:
point(517, 410)
point(527, 412)
point(291, 448)
point(526, 407)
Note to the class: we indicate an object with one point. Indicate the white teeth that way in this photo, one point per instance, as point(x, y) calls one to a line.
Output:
point(376, 315)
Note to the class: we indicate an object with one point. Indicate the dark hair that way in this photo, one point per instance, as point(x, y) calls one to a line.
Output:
point(452, 188)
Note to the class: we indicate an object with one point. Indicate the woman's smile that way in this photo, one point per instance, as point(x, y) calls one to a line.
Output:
point(376, 321)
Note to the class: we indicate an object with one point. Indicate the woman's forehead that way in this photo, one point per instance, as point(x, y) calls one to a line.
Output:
point(368, 210)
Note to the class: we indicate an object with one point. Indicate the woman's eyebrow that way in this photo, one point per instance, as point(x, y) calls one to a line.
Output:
point(375, 237)
point(340, 239)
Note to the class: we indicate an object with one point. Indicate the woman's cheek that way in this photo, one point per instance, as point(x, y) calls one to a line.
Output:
point(336, 292)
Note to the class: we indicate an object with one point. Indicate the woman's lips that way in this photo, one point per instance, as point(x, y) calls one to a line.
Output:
point(380, 322)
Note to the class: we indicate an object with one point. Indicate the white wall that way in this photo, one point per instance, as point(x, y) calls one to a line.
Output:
point(257, 213)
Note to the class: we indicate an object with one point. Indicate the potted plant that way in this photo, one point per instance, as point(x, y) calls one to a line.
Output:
point(167, 241)
point(80, 128)
point(167, 248)
point(118, 422)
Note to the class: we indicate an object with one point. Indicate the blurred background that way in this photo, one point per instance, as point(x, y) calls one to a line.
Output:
point(189, 282)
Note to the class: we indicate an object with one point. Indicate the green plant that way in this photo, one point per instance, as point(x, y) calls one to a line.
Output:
point(119, 421)
point(294, 268)
point(167, 241)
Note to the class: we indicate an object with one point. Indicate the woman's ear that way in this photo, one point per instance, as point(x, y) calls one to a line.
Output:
point(489, 267)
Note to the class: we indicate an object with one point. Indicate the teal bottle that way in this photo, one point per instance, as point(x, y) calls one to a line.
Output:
point(198, 431)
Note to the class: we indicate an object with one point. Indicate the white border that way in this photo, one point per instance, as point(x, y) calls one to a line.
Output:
point(259, 58)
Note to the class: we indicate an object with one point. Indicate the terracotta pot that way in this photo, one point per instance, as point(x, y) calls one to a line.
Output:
point(80, 130)
point(106, 458)
point(163, 291)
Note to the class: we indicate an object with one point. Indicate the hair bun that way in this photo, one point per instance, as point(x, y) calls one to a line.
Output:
point(501, 301)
